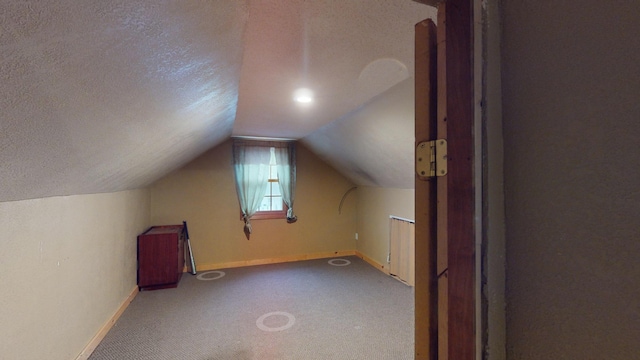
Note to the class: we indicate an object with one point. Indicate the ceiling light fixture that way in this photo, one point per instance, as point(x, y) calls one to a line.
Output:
point(303, 95)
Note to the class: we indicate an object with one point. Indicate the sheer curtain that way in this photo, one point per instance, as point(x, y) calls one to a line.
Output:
point(251, 168)
point(286, 166)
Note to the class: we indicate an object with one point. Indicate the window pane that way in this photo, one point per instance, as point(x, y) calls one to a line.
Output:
point(266, 204)
point(275, 189)
point(272, 200)
point(273, 172)
point(276, 203)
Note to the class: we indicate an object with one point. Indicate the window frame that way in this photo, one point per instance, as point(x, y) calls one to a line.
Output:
point(271, 214)
point(267, 215)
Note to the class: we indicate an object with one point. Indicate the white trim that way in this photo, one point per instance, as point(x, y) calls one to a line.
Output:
point(401, 219)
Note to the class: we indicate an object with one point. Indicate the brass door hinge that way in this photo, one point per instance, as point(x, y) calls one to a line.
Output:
point(431, 159)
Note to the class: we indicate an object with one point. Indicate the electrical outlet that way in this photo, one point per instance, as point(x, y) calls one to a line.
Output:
point(356, 236)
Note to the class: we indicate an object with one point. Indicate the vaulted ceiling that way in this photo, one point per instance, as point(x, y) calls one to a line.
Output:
point(101, 96)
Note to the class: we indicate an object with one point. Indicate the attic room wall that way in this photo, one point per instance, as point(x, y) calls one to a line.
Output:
point(375, 205)
point(203, 193)
point(572, 135)
point(67, 264)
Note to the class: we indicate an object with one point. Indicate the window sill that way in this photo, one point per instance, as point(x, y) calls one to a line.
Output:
point(267, 215)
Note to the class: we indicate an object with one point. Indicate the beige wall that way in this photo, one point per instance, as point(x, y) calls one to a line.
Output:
point(375, 205)
point(67, 264)
point(572, 181)
point(203, 193)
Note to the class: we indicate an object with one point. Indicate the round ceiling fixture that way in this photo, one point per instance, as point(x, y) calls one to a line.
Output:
point(303, 96)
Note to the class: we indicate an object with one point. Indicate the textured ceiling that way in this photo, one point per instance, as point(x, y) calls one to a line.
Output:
point(100, 96)
point(375, 144)
point(345, 51)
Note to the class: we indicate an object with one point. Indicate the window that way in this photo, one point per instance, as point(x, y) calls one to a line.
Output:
point(265, 174)
point(272, 205)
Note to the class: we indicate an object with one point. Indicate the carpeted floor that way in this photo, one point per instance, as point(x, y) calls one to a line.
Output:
point(304, 311)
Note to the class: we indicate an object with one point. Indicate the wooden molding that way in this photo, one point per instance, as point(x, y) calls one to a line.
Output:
point(427, 112)
point(327, 255)
point(95, 341)
point(234, 264)
point(375, 264)
point(458, 279)
point(91, 346)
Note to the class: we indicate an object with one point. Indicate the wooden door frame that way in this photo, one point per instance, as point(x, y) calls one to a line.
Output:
point(458, 17)
point(459, 273)
point(426, 288)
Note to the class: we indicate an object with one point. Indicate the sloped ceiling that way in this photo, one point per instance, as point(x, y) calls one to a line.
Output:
point(375, 143)
point(101, 96)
